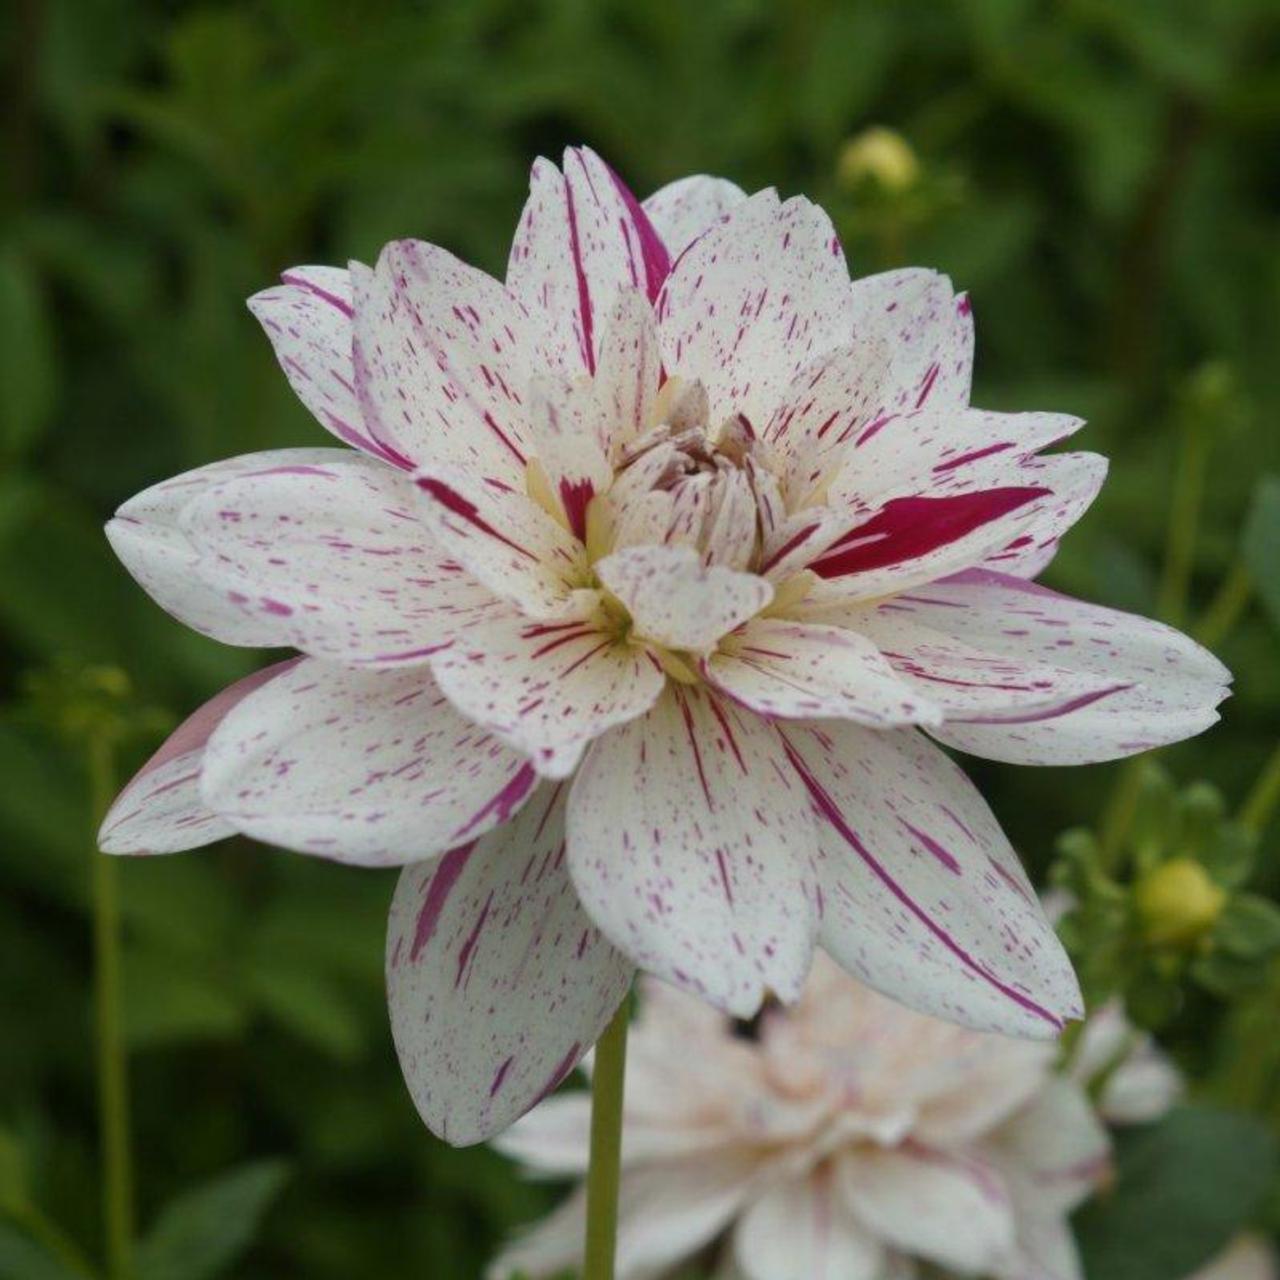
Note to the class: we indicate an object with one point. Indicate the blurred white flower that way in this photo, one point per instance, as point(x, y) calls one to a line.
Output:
point(847, 1138)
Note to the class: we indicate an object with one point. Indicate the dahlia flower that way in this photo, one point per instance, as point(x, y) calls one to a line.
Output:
point(622, 608)
point(846, 1137)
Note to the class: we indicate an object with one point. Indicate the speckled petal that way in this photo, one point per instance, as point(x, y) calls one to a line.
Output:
point(923, 899)
point(682, 210)
point(548, 688)
point(749, 304)
point(161, 811)
point(146, 534)
point(496, 979)
point(335, 556)
point(503, 539)
point(441, 357)
point(582, 238)
point(1160, 686)
point(308, 318)
point(692, 849)
point(676, 600)
point(368, 767)
point(569, 433)
point(798, 670)
point(629, 371)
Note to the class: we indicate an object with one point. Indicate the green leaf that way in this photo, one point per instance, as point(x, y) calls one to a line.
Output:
point(203, 1232)
point(1184, 1187)
point(1249, 927)
point(21, 1258)
point(26, 353)
point(1260, 543)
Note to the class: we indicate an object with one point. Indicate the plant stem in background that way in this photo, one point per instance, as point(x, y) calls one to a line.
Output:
point(113, 1093)
point(607, 1078)
point(1224, 610)
point(1264, 795)
point(1184, 519)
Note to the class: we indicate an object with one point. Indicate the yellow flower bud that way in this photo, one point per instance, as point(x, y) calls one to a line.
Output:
point(880, 154)
point(1178, 903)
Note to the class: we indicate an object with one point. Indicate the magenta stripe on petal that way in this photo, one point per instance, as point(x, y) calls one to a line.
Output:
point(907, 528)
point(446, 876)
point(831, 811)
point(657, 261)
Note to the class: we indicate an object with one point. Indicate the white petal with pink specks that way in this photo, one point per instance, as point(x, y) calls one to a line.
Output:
point(548, 688)
point(146, 534)
point(692, 849)
point(676, 600)
point(160, 811)
point(629, 371)
point(308, 318)
point(923, 898)
point(369, 767)
point(497, 981)
point(928, 331)
point(1157, 685)
point(335, 554)
point(567, 434)
point(799, 670)
point(582, 239)
point(752, 302)
point(682, 210)
point(441, 362)
point(503, 539)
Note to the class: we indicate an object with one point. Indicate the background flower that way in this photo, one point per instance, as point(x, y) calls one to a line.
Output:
point(847, 1136)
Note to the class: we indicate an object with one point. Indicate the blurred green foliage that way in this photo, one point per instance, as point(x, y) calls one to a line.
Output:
point(1101, 177)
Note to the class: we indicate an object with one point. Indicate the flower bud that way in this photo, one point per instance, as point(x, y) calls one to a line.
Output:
point(1178, 902)
point(881, 155)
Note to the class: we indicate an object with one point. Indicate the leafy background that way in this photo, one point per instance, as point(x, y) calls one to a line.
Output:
point(1101, 177)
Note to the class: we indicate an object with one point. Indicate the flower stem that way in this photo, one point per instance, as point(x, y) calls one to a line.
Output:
point(113, 1095)
point(604, 1173)
point(1263, 796)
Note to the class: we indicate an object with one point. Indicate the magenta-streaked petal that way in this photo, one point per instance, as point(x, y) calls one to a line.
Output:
point(948, 1207)
point(923, 898)
point(569, 433)
point(548, 689)
point(692, 849)
point(762, 294)
point(582, 239)
point(961, 679)
point(368, 767)
point(682, 210)
point(802, 1227)
point(928, 330)
point(160, 811)
point(1156, 685)
point(915, 540)
point(799, 670)
point(308, 318)
point(497, 981)
point(629, 371)
point(441, 363)
point(147, 536)
point(676, 600)
point(334, 555)
point(503, 539)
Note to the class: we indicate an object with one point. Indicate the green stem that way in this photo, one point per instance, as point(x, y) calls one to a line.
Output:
point(1225, 608)
point(1264, 795)
point(113, 1092)
point(1184, 519)
point(605, 1170)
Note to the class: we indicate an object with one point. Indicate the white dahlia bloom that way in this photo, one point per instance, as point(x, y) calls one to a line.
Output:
point(622, 611)
point(847, 1138)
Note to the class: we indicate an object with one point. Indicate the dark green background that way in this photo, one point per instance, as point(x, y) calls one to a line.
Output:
point(1103, 177)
